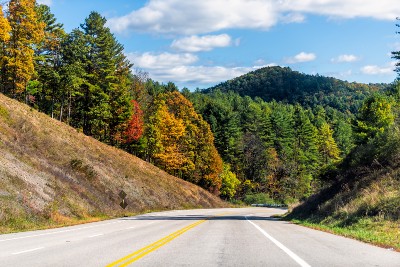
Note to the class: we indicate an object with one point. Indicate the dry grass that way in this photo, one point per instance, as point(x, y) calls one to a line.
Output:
point(363, 204)
point(50, 174)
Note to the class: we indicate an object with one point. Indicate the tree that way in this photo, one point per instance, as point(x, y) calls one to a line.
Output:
point(48, 64)
point(5, 29)
point(203, 165)
point(327, 145)
point(135, 126)
point(229, 182)
point(373, 118)
point(101, 84)
point(396, 54)
point(26, 32)
point(171, 129)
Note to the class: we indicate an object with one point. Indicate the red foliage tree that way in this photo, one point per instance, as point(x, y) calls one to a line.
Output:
point(135, 126)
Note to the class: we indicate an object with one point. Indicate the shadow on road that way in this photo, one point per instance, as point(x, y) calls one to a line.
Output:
point(200, 217)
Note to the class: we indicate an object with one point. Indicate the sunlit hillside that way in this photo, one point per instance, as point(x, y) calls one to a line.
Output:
point(50, 174)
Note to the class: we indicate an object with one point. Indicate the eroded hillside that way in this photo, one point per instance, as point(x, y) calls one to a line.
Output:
point(51, 174)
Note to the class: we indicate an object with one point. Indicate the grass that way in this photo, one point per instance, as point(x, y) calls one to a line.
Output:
point(363, 203)
point(52, 175)
point(381, 233)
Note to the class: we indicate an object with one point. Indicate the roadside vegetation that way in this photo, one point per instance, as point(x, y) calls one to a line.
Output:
point(329, 148)
point(53, 175)
point(361, 196)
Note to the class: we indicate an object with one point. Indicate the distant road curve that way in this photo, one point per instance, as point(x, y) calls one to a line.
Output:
point(207, 237)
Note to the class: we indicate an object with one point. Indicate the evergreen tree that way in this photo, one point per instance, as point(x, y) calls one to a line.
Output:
point(396, 54)
point(104, 93)
point(48, 64)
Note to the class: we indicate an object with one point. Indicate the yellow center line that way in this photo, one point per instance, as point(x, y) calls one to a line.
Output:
point(125, 261)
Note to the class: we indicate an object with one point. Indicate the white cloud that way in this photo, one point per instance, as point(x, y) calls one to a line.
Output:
point(200, 17)
point(200, 75)
point(180, 68)
point(161, 61)
point(197, 17)
point(293, 18)
point(196, 43)
point(345, 58)
point(382, 9)
point(261, 63)
point(45, 2)
point(379, 70)
point(301, 57)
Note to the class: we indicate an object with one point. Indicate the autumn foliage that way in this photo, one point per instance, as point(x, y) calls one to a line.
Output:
point(84, 79)
point(134, 129)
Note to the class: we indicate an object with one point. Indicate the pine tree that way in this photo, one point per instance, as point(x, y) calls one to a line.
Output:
point(48, 64)
point(305, 152)
point(396, 54)
point(104, 94)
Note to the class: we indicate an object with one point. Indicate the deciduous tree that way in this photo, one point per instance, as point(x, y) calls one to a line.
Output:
point(26, 32)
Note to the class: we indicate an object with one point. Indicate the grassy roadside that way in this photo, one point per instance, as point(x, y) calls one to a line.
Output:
point(375, 231)
point(22, 224)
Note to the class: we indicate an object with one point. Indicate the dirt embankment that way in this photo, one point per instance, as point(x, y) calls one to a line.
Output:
point(50, 174)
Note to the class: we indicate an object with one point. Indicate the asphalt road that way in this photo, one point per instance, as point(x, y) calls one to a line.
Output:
point(219, 237)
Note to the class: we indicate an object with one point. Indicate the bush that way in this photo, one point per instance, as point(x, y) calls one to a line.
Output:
point(258, 198)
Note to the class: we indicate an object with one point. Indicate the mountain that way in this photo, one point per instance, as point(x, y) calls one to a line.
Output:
point(52, 174)
point(283, 84)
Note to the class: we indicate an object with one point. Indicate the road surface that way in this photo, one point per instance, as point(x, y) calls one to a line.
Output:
point(214, 237)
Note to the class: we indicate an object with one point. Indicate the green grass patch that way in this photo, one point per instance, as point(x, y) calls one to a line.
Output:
point(370, 230)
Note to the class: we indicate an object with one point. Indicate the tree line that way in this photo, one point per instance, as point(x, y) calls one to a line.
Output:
point(84, 79)
point(236, 139)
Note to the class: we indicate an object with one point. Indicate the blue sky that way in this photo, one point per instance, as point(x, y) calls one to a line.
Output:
point(200, 43)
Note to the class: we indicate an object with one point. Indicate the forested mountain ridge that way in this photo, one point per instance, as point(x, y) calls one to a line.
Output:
point(284, 84)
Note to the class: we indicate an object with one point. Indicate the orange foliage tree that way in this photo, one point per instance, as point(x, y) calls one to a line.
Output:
point(197, 145)
point(135, 126)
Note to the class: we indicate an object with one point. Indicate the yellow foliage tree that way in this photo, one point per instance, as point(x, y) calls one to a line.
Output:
point(204, 164)
point(26, 32)
point(171, 132)
point(327, 145)
point(5, 29)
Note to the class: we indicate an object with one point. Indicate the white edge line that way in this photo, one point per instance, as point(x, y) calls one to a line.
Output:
point(95, 235)
point(26, 251)
point(281, 246)
point(58, 232)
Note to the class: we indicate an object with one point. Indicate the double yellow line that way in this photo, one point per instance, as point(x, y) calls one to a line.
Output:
point(125, 261)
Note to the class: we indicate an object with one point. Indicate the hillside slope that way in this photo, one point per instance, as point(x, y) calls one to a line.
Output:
point(363, 198)
point(284, 84)
point(50, 174)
